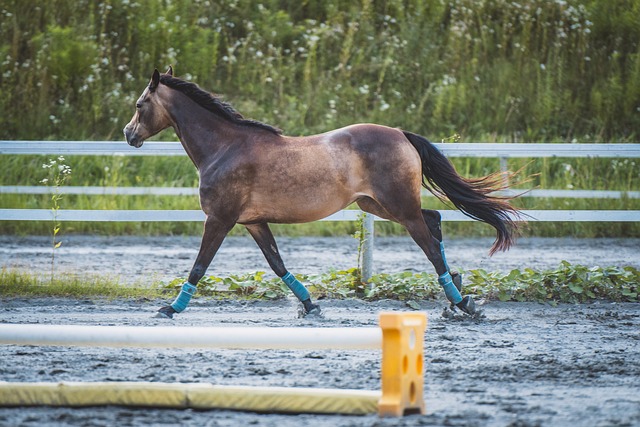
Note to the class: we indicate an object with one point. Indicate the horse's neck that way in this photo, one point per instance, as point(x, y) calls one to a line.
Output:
point(202, 133)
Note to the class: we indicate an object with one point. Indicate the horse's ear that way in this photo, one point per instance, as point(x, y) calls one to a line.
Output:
point(155, 80)
point(170, 71)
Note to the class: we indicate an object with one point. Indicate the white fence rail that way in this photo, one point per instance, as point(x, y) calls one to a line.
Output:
point(156, 148)
point(143, 215)
point(192, 191)
point(470, 149)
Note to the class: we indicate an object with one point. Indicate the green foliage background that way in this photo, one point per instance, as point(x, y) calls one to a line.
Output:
point(526, 70)
point(490, 70)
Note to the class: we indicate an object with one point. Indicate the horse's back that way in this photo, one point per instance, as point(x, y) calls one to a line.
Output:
point(376, 146)
point(364, 133)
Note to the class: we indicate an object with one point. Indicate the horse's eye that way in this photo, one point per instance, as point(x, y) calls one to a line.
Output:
point(139, 105)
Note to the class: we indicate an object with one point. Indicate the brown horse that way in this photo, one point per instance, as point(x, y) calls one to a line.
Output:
point(251, 174)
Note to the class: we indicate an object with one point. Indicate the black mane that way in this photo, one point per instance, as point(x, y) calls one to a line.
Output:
point(213, 104)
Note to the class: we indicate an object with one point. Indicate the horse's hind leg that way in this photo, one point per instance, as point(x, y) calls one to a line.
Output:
point(420, 227)
point(264, 238)
point(434, 222)
point(212, 237)
point(432, 247)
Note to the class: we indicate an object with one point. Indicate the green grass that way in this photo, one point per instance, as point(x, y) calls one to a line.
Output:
point(15, 283)
point(594, 174)
point(565, 284)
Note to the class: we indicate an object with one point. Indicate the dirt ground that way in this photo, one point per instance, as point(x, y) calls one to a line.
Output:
point(134, 258)
point(522, 364)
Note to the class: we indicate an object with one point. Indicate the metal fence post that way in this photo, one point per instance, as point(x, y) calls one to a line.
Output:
point(367, 249)
point(504, 168)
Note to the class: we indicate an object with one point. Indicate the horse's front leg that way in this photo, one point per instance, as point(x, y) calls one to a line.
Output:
point(264, 238)
point(214, 233)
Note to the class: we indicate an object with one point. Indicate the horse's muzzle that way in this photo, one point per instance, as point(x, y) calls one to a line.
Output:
point(132, 139)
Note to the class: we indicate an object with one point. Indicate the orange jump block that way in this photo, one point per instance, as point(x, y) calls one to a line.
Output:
point(402, 364)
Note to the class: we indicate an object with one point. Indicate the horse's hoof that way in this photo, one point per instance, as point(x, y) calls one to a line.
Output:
point(457, 280)
point(312, 310)
point(467, 305)
point(165, 313)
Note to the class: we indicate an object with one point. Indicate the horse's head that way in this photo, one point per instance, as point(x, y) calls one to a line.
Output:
point(150, 116)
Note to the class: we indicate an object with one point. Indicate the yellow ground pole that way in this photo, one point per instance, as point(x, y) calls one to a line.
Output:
point(402, 384)
point(190, 395)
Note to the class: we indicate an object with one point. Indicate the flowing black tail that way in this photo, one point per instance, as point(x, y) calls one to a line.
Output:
point(470, 195)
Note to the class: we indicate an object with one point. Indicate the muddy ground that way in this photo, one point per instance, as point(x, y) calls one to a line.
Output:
point(523, 364)
point(134, 258)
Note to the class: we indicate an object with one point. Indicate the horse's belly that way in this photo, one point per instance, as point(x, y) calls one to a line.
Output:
point(288, 209)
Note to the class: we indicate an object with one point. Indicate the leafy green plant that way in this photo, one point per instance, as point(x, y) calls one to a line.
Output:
point(58, 173)
point(566, 284)
point(337, 284)
point(249, 285)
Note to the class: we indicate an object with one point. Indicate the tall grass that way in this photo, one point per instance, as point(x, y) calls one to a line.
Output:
point(527, 70)
point(490, 70)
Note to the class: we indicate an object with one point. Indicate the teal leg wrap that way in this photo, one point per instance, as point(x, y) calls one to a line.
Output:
point(450, 289)
point(444, 258)
point(296, 287)
point(182, 300)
